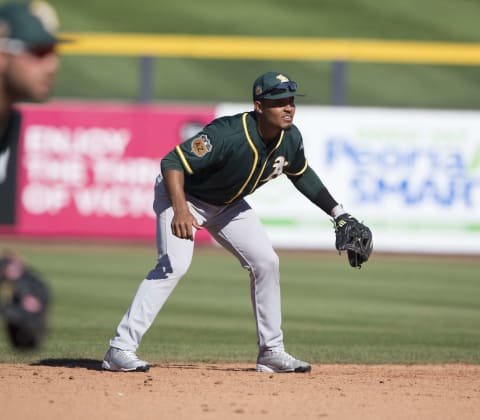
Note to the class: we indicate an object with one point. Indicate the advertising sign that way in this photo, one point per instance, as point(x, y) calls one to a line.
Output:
point(413, 176)
point(89, 170)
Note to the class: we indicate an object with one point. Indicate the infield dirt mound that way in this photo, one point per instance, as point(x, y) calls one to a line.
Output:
point(234, 391)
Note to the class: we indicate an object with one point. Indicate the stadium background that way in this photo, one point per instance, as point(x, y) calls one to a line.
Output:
point(398, 309)
point(369, 84)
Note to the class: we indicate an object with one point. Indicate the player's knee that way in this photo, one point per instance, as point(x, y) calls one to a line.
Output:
point(267, 263)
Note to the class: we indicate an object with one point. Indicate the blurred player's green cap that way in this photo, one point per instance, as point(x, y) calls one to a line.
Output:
point(28, 24)
point(274, 85)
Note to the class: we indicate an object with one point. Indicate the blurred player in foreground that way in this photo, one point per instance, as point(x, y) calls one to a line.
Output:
point(202, 185)
point(28, 66)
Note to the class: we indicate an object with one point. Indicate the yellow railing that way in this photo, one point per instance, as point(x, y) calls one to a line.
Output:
point(268, 48)
point(337, 51)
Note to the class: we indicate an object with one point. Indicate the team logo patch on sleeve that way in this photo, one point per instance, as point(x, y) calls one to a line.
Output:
point(201, 145)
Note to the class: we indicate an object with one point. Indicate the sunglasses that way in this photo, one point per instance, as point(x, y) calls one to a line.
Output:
point(280, 88)
point(41, 52)
point(17, 47)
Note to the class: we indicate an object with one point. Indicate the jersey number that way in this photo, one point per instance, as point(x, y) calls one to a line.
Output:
point(278, 166)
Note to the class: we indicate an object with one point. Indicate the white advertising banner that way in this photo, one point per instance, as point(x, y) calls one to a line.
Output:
point(413, 176)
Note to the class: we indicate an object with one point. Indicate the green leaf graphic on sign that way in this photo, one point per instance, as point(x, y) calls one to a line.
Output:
point(475, 162)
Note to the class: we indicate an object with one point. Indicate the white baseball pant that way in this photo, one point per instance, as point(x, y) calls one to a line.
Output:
point(238, 229)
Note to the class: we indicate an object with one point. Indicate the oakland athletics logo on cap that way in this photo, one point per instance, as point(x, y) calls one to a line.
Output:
point(282, 78)
point(46, 15)
point(201, 145)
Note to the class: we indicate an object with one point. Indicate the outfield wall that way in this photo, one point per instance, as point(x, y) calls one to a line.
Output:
point(412, 175)
point(87, 170)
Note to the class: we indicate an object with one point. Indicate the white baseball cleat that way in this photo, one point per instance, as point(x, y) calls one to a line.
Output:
point(276, 361)
point(118, 360)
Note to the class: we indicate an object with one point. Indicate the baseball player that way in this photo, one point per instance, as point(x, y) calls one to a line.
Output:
point(202, 185)
point(28, 67)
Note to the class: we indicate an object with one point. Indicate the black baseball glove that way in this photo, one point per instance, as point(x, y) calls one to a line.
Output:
point(353, 237)
point(24, 299)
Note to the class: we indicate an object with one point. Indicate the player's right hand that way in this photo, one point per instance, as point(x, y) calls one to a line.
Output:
point(183, 225)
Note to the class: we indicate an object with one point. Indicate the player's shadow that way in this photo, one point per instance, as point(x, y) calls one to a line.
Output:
point(201, 366)
point(90, 364)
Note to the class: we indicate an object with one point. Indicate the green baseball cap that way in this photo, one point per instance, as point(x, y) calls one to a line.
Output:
point(274, 85)
point(28, 24)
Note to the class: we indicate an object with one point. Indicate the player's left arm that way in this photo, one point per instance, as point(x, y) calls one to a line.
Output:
point(305, 179)
point(350, 234)
point(310, 185)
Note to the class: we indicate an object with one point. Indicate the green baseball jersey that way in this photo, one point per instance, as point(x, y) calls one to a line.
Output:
point(228, 160)
point(10, 133)
point(9, 148)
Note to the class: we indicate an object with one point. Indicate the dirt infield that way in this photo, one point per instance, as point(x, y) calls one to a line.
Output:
point(81, 390)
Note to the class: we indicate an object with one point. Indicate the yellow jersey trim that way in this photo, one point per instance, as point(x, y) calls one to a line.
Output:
point(185, 164)
point(255, 159)
point(300, 172)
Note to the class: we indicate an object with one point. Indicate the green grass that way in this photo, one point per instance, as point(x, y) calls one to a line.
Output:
point(394, 310)
point(178, 79)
